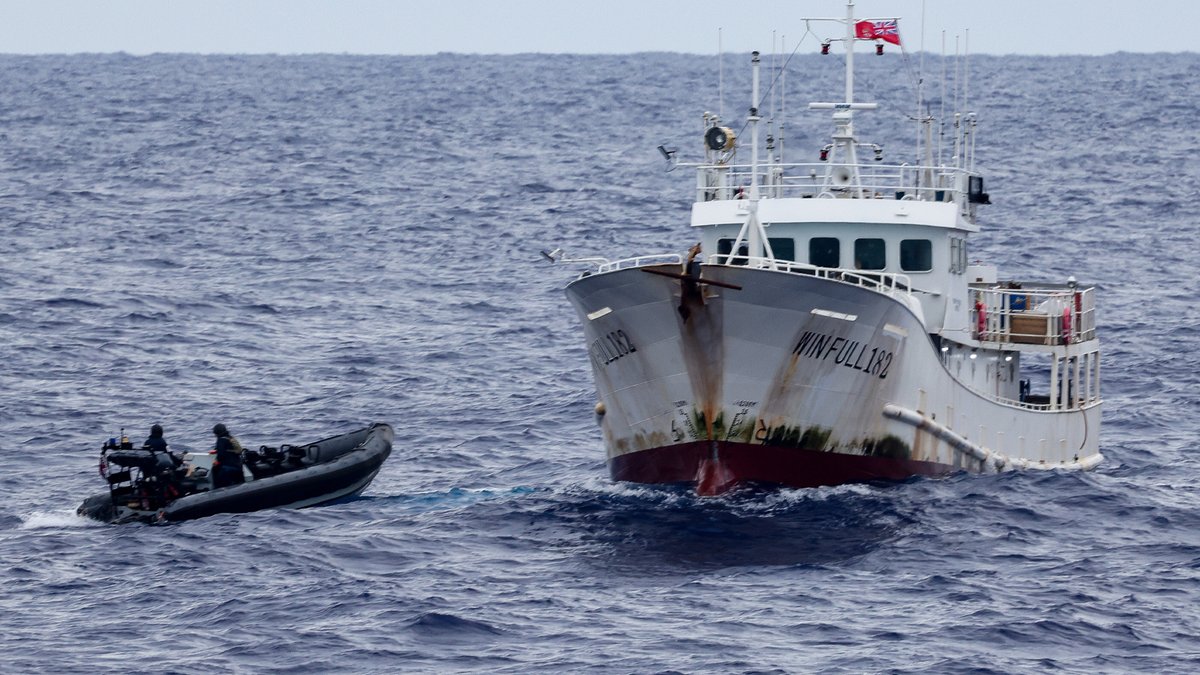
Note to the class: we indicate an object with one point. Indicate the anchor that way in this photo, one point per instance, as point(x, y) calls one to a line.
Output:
point(690, 282)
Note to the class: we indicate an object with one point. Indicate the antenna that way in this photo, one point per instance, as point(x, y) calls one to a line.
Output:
point(774, 97)
point(942, 114)
point(957, 105)
point(782, 93)
point(966, 68)
point(968, 146)
point(776, 115)
point(920, 89)
point(669, 155)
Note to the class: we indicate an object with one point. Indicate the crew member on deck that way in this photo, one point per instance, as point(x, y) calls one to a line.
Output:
point(227, 469)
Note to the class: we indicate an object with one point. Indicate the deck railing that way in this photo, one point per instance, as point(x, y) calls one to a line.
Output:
point(821, 180)
point(1034, 316)
point(883, 282)
point(640, 261)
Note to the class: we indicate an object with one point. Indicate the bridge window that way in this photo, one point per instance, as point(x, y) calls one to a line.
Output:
point(916, 255)
point(784, 248)
point(824, 252)
point(869, 254)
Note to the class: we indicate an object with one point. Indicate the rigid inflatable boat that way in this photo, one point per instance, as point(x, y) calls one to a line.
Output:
point(149, 486)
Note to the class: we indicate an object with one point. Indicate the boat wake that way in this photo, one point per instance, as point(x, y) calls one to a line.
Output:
point(56, 520)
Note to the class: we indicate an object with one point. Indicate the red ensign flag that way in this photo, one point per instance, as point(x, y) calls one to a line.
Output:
point(878, 30)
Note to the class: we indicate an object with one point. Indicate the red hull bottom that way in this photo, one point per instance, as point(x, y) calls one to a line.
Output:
point(736, 463)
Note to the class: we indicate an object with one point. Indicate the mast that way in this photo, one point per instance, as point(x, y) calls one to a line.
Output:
point(753, 229)
point(757, 244)
point(753, 119)
point(849, 51)
point(841, 170)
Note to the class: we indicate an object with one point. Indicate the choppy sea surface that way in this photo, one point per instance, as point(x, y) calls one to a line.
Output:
point(296, 246)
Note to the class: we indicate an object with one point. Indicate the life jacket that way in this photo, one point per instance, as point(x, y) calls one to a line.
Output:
point(235, 449)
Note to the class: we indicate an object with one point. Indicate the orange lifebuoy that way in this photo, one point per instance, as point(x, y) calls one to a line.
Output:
point(1066, 325)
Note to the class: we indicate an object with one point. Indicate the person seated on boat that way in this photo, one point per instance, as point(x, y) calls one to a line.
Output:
point(167, 460)
point(227, 467)
point(156, 442)
point(161, 474)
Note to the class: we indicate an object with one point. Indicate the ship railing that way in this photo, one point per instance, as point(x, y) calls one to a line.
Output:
point(814, 180)
point(1042, 404)
point(882, 282)
point(1069, 371)
point(1039, 407)
point(1076, 381)
point(640, 261)
point(1047, 315)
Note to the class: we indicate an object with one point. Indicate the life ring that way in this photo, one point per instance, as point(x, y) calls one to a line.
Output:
point(1066, 326)
point(980, 320)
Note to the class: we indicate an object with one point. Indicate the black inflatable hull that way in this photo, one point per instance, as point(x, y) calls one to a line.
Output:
point(346, 465)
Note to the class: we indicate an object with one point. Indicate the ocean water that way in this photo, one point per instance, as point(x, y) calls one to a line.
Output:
point(296, 246)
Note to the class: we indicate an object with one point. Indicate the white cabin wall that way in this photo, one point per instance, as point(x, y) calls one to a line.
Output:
point(990, 372)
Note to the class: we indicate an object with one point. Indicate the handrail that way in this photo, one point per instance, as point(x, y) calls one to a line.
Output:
point(640, 261)
point(1080, 402)
point(879, 281)
point(1034, 316)
point(717, 182)
point(882, 282)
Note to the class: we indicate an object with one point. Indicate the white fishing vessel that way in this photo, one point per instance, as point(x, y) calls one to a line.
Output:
point(829, 326)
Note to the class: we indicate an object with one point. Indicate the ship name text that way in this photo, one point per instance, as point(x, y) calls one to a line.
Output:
point(610, 347)
point(852, 354)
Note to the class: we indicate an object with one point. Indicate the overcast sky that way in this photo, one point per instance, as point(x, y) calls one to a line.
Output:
point(576, 26)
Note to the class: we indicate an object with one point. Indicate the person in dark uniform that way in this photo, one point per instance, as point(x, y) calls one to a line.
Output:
point(156, 442)
point(227, 469)
point(166, 469)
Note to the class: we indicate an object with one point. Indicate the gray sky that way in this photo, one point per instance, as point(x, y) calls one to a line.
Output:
point(575, 26)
